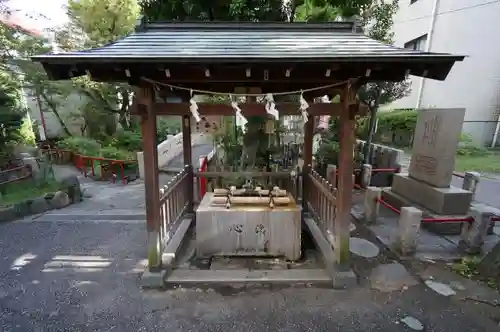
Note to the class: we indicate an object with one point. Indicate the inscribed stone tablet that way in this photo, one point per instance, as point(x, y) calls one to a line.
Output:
point(435, 143)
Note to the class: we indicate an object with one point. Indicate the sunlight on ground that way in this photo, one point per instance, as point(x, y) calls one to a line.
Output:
point(22, 261)
point(77, 264)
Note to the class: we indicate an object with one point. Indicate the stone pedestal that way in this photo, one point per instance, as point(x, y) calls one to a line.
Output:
point(448, 228)
point(248, 230)
point(427, 185)
point(444, 201)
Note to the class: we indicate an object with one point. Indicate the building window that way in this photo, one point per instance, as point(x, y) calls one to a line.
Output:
point(417, 44)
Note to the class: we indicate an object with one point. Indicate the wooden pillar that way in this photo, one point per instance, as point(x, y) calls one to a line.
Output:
point(188, 162)
point(145, 98)
point(345, 179)
point(307, 156)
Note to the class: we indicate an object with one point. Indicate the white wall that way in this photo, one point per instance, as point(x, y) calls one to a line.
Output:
point(466, 27)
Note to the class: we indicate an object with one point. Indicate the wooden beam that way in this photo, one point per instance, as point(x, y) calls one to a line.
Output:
point(145, 97)
point(253, 109)
point(345, 179)
point(187, 153)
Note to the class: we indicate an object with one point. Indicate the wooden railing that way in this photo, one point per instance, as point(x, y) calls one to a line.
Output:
point(290, 181)
point(320, 198)
point(174, 200)
point(15, 174)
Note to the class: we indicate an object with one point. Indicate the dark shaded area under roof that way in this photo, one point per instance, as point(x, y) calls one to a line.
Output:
point(156, 46)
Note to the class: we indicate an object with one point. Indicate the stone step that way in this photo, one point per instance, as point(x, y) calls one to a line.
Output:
point(197, 277)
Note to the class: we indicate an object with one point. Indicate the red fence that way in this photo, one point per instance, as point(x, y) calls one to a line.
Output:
point(104, 168)
point(203, 180)
point(433, 220)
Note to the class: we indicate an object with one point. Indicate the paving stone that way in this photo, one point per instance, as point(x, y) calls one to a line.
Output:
point(457, 286)
point(413, 323)
point(363, 248)
point(391, 277)
point(440, 288)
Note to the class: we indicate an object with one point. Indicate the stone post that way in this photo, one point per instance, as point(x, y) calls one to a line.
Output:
point(331, 175)
point(471, 181)
point(372, 206)
point(409, 227)
point(366, 175)
point(473, 234)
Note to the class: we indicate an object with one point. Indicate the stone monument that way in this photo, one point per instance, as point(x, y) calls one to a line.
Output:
point(427, 184)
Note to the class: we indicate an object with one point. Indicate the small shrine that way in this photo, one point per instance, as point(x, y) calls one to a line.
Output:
point(262, 70)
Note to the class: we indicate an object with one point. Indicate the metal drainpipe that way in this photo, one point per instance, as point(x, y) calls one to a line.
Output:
point(435, 7)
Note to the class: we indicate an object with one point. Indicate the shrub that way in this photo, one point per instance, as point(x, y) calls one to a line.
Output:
point(397, 121)
point(328, 153)
point(467, 147)
point(111, 152)
point(167, 126)
point(81, 145)
point(126, 140)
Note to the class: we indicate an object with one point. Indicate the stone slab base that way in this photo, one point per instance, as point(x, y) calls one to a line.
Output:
point(199, 277)
point(153, 279)
point(340, 278)
point(448, 228)
point(442, 201)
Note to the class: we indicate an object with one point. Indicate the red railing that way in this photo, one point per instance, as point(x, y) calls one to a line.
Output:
point(108, 168)
point(203, 180)
point(433, 220)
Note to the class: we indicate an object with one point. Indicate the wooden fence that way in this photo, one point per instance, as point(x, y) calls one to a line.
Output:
point(320, 199)
point(15, 174)
point(174, 200)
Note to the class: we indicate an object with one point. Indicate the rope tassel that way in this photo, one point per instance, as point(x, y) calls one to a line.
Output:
point(240, 118)
point(303, 108)
point(271, 107)
point(194, 109)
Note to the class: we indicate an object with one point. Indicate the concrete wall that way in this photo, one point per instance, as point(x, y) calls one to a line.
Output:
point(67, 106)
point(464, 27)
point(171, 148)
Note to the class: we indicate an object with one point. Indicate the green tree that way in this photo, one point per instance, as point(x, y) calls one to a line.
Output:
point(377, 18)
point(94, 23)
point(16, 46)
point(255, 141)
point(13, 120)
point(380, 21)
point(227, 10)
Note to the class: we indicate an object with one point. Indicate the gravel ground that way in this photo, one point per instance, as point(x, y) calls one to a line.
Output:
point(83, 276)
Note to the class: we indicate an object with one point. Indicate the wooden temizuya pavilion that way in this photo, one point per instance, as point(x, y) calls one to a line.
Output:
point(176, 59)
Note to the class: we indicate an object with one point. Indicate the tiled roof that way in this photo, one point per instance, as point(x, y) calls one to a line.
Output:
point(206, 43)
point(208, 40)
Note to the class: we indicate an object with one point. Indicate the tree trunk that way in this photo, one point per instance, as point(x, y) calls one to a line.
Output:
point(367, 152)
point(56, 113)
point(124, 118)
